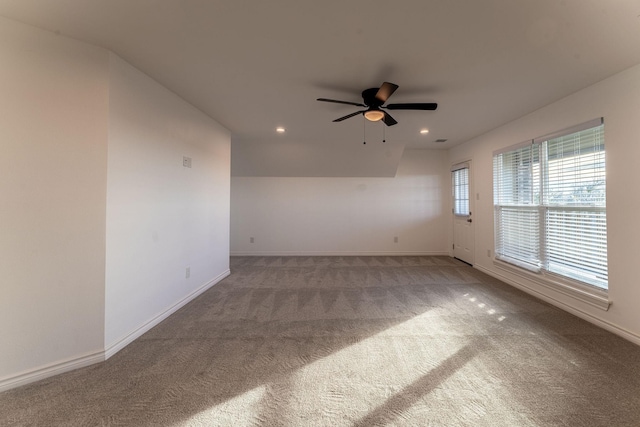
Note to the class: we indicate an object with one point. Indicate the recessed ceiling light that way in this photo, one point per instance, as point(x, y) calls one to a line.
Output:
point(424, 131)
point(280, 129)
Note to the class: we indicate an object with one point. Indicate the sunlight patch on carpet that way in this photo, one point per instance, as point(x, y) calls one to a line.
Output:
point(241, 410)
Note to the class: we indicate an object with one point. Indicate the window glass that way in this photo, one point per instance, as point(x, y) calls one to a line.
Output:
point(460, 179)
point(550, 205)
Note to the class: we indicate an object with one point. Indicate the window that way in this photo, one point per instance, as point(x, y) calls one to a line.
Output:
point(460, 184)
point(550, 204)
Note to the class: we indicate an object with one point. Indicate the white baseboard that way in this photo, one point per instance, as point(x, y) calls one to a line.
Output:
point(118, 345)
point(70, 364)
point(337, 253)
point(50, 370)
point(611, 327)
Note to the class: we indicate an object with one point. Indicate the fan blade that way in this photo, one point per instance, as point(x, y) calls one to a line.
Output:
point(385, 91)
point(349, 116)
point(341, 102)
point(388, 120)
point(414, 106)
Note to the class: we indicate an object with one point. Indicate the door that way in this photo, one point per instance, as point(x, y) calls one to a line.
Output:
point(463, 235)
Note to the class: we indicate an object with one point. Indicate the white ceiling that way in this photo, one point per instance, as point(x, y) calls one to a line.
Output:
point(255, 65)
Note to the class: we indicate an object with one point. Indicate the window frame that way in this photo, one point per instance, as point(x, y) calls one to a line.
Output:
point(595, 294)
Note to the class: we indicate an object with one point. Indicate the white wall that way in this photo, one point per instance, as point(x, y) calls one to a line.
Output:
point(53, 156)
point(617, 99)
point(345, 216)
point(161, 216)
point(98, 218)
point(293, 158)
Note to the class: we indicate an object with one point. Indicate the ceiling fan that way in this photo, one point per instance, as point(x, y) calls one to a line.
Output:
point(374, 99)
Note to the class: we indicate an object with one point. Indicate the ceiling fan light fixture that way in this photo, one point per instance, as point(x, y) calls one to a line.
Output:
point(374, 115)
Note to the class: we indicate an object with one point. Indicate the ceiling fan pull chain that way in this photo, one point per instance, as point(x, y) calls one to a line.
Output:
point(364, 130)
point(384, 139)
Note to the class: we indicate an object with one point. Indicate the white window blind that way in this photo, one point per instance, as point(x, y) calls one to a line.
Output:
point(460, 184)
point(550, 204)
point(575, 201)
point(515, 178)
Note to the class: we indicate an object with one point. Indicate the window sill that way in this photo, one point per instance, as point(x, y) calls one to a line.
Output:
point(598, 298)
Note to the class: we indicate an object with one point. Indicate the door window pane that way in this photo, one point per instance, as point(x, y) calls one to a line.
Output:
point(460, 183)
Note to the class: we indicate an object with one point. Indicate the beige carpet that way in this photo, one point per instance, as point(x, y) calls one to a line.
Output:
point(351, 341)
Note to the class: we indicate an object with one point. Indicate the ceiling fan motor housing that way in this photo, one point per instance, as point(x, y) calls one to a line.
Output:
point(369, 98)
